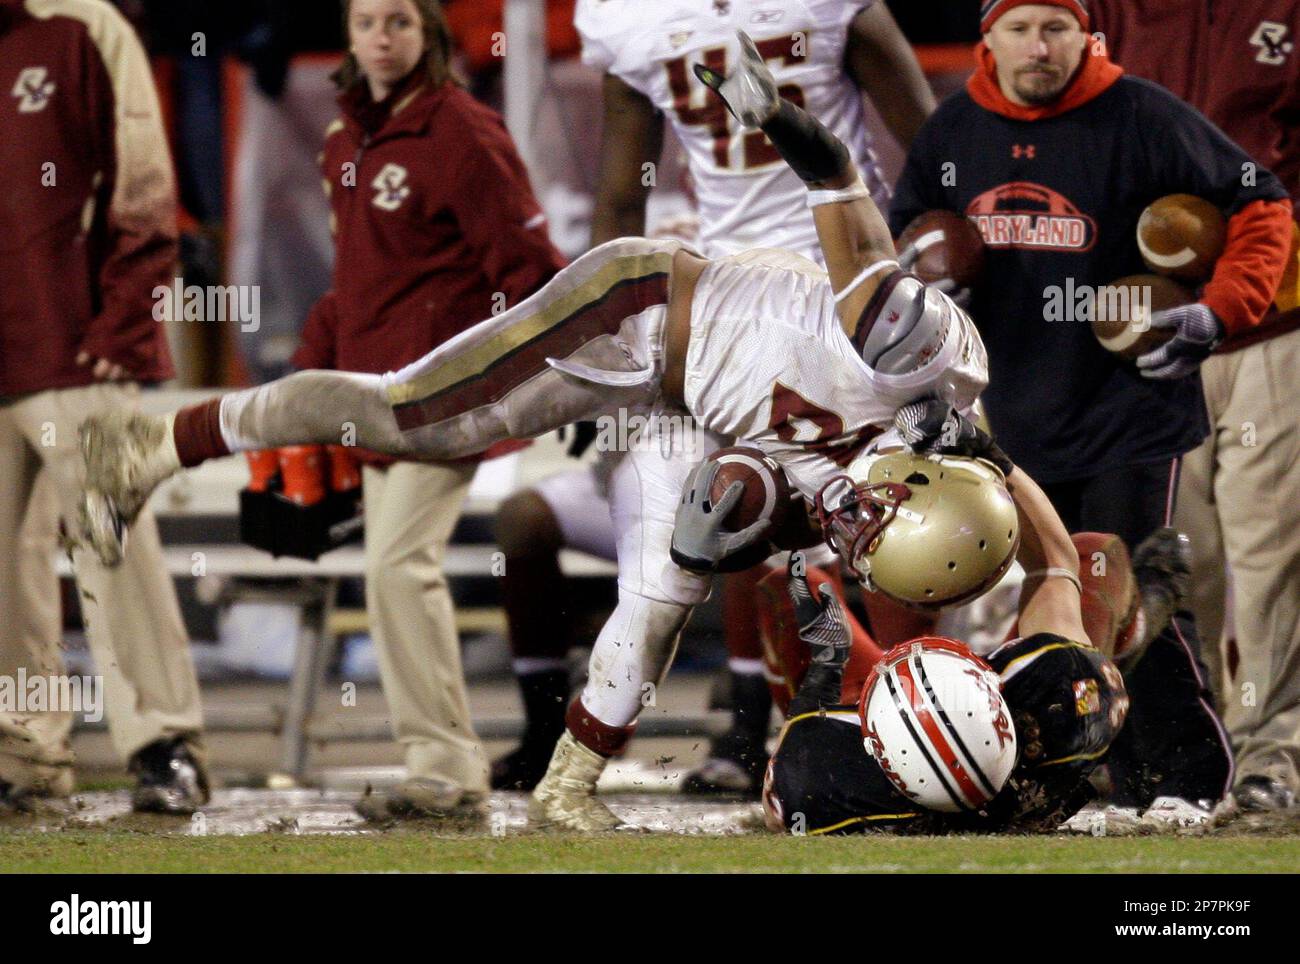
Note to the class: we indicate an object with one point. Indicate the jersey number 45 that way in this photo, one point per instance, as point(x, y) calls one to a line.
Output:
point(758, 150)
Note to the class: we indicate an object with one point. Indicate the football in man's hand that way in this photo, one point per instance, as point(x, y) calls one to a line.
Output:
point(767, 490)
point(949, 245)
point(1121, 316)
point(1181, 236)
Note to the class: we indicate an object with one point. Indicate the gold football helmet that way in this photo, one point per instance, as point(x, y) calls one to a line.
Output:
point(927, 531)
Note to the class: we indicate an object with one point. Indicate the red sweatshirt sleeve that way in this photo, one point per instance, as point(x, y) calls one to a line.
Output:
point(503, 223)
point(1251, 266)
point(138, 198)
point(317, 345)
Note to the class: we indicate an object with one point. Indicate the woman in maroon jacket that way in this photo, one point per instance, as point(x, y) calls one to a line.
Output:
point(434, 223)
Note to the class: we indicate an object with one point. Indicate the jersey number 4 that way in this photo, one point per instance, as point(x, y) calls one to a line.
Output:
point(758, 150)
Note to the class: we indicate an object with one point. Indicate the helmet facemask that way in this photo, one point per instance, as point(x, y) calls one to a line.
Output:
point(853, 528)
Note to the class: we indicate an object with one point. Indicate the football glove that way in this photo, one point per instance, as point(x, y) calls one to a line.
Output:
point(821, 622)
point(1198, 331)
point(933, 427)
point(750, 92)
point(700, 544)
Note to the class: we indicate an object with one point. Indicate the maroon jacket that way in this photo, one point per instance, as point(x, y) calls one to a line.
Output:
point(1236, 61)
point(88, 207)
point(433, 217)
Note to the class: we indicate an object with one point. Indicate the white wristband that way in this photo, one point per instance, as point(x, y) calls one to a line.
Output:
point(854, 192)
point(1057, 571)
point(853, 285)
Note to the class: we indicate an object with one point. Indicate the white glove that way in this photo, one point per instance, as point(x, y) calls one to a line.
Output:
point(750, 92)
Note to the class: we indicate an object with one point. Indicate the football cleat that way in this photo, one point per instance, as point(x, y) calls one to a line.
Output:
point(421, 798)
point(566, 797)
point(1261, 794)
point(735, 767)
point(169, 778)
point(126, 455)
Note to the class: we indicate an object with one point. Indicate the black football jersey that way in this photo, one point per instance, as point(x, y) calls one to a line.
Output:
point(1067, 701)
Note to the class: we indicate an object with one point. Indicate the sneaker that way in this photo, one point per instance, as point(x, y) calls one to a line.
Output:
point(422, 798)
point(126, 455)
point(1261, 794)
point(169, 778)
point(1176, 813)
point(565, 799)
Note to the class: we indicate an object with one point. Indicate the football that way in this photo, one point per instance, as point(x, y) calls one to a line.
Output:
point(767, 491)
point(1181, 236)
point(1122, 316)
point(949, 246)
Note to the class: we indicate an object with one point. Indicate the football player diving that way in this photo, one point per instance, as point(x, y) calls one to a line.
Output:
point(1059, 676)
point(808, 365)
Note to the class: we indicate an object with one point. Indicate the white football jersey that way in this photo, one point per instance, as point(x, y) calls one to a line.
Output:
point(748, 197)
point(769, 363)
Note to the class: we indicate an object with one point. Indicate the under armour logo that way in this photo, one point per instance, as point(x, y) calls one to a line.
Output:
point(33, 90)
point(722, 7)
point(391, 186)
point(1270, 38)
point(1018, 152)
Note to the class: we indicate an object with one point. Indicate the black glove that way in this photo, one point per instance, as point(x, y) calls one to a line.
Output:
point(1198, 332)
point(584, 433)
point(822, 625)
point(1162, 569)
point(933, 427)
point(700, 544)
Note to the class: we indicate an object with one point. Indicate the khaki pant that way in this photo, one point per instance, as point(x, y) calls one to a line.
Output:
point(411, 510)
point(133, 622)
point(1239, 502)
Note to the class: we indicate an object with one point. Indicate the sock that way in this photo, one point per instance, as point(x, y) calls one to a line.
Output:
point(593, 734)
point(546, 697)
point(751, 707)
point(197, 433)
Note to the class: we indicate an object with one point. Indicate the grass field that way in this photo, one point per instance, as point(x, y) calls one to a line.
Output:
point(114, 851)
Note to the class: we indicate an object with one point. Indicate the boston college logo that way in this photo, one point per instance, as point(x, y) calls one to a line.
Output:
point(390, 187)
point(33, 90)
point(1270, 38)
point(1026, 215)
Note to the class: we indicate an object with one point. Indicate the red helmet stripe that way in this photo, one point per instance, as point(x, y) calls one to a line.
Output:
point(955, 768)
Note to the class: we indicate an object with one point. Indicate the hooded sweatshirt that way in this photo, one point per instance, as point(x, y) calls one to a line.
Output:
point(1056, 191)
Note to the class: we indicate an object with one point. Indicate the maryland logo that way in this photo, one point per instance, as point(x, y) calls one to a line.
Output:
point(33, 90)
point(390, 187)
point(1029, 216)
point(1087, 698)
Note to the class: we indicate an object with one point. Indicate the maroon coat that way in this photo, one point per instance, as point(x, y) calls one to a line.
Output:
point(88, 207)
point(1236, 61)
point(436, 227)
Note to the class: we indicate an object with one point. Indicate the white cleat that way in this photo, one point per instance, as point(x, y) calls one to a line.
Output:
point(566, 797)
point(1176, 813)
point(126, 455)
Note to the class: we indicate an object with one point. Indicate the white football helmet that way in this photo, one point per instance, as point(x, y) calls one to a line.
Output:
point(934, 718)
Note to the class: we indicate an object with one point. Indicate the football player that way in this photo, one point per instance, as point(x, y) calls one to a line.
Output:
point(823, 53)
point(764, 346)
point(1058, 674)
